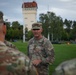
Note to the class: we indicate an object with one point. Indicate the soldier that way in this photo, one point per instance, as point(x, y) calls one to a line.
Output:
point(12, 61)
point(40, 50)
point(67, 67)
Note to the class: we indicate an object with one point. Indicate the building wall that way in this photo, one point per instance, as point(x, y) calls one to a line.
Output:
point(29, 15)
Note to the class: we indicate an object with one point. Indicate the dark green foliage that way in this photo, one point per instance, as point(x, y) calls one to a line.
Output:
point(14, 32)
point(57, 28)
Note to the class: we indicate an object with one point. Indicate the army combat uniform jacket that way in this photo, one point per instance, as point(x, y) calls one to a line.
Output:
point(41, 49)
point(13, 62)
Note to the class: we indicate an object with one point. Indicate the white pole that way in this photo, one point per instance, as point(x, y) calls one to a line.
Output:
point(23, 25)
point(24, 33)
point(49, 33)
point(48, 36)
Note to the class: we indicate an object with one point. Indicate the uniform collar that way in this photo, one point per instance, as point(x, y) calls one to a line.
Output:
point(40, 40)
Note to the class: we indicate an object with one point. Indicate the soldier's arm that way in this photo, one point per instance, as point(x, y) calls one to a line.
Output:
point(49, 53)
point(27, 51)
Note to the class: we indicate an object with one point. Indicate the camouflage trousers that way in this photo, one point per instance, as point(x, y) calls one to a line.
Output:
point(42, 70)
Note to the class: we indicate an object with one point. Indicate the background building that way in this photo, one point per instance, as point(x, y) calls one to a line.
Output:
point(29, 11)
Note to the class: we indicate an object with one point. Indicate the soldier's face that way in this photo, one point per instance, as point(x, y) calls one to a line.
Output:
point(37, 32)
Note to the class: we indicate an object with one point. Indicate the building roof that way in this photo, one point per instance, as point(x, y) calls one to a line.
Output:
point(29, 4)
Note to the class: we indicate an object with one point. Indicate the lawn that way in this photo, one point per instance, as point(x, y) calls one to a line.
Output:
point(62, 52)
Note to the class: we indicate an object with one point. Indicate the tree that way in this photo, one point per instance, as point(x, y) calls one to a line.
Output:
point(58, 28)
point(54, 22)
point(30, 35)
point(15, 24)
point(8, 25)
point(74, 30)
point(14, 32)
point(68, 24)
point(44, 20)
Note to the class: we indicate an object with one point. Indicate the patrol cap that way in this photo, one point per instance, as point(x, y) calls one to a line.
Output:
point(36, 25)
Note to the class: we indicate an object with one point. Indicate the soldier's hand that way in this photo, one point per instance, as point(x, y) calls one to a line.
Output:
point(36, 62)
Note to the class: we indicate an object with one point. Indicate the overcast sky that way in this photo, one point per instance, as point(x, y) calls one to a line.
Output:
point(12, 9)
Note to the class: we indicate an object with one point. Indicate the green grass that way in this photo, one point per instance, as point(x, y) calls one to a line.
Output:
point(63, 52)
point(21, 46)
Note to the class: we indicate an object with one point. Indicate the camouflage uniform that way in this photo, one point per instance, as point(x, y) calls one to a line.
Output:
point(13, 62)
point(41, 49)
